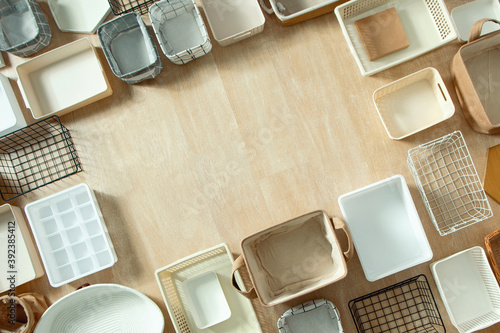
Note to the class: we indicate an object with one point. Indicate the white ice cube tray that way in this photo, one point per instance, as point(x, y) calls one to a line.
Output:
point(70, 234)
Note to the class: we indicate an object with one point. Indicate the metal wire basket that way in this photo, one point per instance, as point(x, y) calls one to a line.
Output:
point(408, 306)
point(448, 183)
point(126, 6)
point(34, 156)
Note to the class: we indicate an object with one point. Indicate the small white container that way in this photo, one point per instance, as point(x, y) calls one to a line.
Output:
point(465, 16)
point(385, 227)
point(427, 25)
point(233, 21)
point(26, 265)
point(290, 12)
point(79, 16)
point(206, 300)
point(469, 289)
point(70, 233)
point(413, 103)
point(11, 116)
point(63, 80)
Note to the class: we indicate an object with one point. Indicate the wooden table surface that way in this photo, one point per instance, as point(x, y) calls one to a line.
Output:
point(239, 140)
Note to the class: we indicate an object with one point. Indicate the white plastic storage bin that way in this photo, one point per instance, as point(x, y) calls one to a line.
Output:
point(22, 262)
point(385, 227)
point(70, 234)
point(290, 12)
point(232, 21)
point(426, 23)
point(465, 16)
point(469, 289)
point(180, 30)
point(11, 116)
point(413, 103)
point(79, 16)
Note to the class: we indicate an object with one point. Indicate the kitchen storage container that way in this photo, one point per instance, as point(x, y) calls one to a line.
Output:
point(20, 258)
point(218, 260)
point(70, 234)
point(126, 6)
point(129, 48)
point(233, 21)
point(476, 79)
point(79, 16)
point(314, 316)
point(448, 182)
point(290, 12)
point(469, 290)
point(294, 258)
point(34, 156)
point(102, 308)
point(465, 16)
point(44, 80)
point(24, 28)
point(387, 232)
point(413, 103)
point(180, 30)
point(492, 242)
point(11, 116)
point(408, 306)
point(426, 23)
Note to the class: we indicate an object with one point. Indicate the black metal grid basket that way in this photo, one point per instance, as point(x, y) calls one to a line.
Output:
point(34, 156)
point(407, 306)
point(126, 6)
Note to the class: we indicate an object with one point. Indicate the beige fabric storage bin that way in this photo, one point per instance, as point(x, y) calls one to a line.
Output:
point(294, 258)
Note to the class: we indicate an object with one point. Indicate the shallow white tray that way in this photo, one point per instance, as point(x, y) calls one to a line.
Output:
point(63, 80)
point(465, 16)
point(11, 116)
point(427, 25)
point(385, 227)
point(469, 289)
point(219, 260)
point(102, 308)
point(79, 16)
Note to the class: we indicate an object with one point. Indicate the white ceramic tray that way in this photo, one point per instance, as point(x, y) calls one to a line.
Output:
point(385, 227)
point(466, 15)
point(11, 116)
point(63, 80)
point(219, 260)
point(102, 308)
point(70, 234)
point(469, 289)
point(79, 16)
point(427, 25)
point(413, 103)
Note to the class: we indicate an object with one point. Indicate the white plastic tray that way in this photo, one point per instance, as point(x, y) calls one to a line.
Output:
point(70, 233)
point(219, 260)
point(427, 25)
point(465, 16)
point(469, 289)
point(385, 227)
point(11, 116)
point(63, 80)
point(413, 103)
point(79, 16)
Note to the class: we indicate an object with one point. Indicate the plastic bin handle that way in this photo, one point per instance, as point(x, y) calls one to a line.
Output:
point(475, 31)
point(340, 224)
point(268, 10)
point(240, 263)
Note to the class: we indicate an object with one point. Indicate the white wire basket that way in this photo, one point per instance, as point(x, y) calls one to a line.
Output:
point(448, 183)
point(180, 30)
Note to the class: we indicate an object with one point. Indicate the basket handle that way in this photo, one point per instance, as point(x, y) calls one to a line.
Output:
point(267, 9)
point(240, 263)
point(340, 224)
point(475, 31)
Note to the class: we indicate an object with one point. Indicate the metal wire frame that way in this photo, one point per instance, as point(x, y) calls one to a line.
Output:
point(126, 6)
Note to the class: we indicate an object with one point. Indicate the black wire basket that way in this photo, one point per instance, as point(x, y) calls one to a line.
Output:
point(126, 6)
point(34, 156)
point(408, 306)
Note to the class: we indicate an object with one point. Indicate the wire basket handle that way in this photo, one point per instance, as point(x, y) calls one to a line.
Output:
point(240, 263)
point(475, 31)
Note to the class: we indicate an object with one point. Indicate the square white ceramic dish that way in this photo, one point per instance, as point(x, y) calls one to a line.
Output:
point(465, 16)
point(63, 80)
point(79, 16)
point(11, 116)
point(385, 227)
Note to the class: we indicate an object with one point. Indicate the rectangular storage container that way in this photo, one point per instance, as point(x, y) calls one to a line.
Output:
point(20, 258)
point(426, 23)
point(70, 234)
point(318, 315)
point(466, 15)
point(492, 242)
point(469, 289)
point(385, 227)
point(11, 116)
point(290, 12)
point(140, 7)
point(79, 16)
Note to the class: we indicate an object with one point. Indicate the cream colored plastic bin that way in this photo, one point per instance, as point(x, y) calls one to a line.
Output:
point(11, 116)
point(232, 21)
point(413, 103)
point(79, 16)
point(26, 265)
point(469, 289)
point(465, 16)
point(290, 12)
